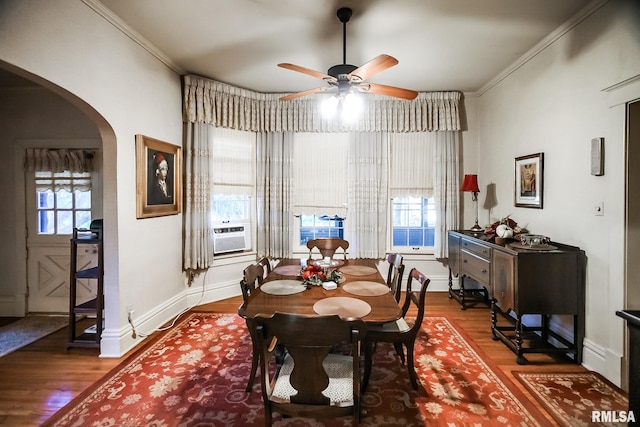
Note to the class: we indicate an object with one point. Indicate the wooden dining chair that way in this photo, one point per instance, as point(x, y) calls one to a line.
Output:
point(252, 278)
point(401, 332)
point(266, 265)
point(304, 385)
point(328, 246)
point(394, 274)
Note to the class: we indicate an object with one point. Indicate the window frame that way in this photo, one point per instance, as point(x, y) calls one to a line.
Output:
point(297, 245)
point(55, 209)
point(422, 250)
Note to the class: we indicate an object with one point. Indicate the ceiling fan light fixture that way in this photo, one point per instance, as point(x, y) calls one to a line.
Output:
point(329, 106)
point(351, 107)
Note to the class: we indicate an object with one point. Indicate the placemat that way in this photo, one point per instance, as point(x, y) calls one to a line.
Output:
point(282, 287)
point(287, 270)
point(358, 270)
point(365, 288)
point(342, 306)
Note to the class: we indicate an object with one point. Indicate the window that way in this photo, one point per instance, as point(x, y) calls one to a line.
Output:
point(231, 208)
point(320, 190)
point(314, 227)
point(232, 175)
point(63, 201)
point(413, 220)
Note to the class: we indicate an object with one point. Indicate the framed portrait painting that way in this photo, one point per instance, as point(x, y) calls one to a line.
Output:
point(528, 181)
point(158, 186)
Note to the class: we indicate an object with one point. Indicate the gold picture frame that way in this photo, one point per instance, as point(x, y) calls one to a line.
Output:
point(158, 178)
point(529, 171)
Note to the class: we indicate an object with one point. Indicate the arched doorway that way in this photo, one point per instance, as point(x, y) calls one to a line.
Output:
point(38, 113)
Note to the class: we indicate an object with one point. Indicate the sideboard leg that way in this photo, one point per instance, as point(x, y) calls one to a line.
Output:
point(494, 320)
point(462, 306)
point(520, 360)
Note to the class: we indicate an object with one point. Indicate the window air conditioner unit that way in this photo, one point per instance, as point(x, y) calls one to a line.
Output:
point(231, 238)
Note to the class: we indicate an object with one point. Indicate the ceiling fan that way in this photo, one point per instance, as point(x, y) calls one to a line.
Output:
point(344, 77)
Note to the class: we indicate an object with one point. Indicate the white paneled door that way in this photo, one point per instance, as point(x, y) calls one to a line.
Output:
point(48, 260)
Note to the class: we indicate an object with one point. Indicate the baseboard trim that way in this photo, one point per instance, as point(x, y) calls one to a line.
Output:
point(602, 360)
point(117, 342)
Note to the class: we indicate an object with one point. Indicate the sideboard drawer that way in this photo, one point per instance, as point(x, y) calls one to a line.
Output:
point(476, 267)
point(479, 249)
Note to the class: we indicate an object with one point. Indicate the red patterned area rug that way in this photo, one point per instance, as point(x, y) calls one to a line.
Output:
point(578, 398)
point(195, 375)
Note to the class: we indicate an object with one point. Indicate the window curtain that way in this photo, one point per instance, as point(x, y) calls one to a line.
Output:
point(367, 195)
point(227, 106)
point(446, 178)
point(58, 160)
point(198, 243)
point(273, 193)
point(59, 165)
point(320, 173)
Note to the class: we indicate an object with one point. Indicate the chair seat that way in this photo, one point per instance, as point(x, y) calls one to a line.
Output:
point(399, 325)
point(340, 389)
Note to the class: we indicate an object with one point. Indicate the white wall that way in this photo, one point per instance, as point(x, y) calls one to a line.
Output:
point(556, 103)
point(70, 49)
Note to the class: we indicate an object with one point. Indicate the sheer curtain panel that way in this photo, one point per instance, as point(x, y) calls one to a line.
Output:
point(446, 187)
point(274, 192)
point(198, 244)
point(366, 225)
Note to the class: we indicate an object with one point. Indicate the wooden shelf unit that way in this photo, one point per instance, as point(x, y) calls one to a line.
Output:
point(95, 306)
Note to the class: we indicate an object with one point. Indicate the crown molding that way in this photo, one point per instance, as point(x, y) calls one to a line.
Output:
point(587, 11)
point(118, 23)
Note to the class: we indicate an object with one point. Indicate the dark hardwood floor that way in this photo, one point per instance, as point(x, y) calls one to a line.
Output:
point(37, 380)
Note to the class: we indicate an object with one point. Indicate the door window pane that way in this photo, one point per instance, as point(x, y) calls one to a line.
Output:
point(63, 202)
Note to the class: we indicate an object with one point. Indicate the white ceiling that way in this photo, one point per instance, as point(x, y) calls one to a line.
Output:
point(440, 44)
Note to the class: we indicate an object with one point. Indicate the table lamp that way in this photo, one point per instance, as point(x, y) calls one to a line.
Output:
point(470, 184)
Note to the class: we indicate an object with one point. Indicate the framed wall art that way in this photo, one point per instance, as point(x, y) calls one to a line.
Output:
point(529, 181)
point(158, 183)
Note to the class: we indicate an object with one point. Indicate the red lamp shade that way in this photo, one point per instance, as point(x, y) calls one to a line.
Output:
point(470, 183)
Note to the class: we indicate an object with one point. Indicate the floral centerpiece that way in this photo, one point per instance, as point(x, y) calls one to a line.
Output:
point(505, 228)
point(314, 275)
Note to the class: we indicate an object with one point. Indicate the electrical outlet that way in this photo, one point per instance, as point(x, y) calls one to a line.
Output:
point(599, 209)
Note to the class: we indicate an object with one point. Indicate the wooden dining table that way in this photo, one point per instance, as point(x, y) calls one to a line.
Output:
point(383, 306)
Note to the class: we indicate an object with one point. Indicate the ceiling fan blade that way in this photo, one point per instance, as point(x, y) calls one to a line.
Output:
point(376, 65)
point(385, 90)
point(312, 73)
point(303, 93)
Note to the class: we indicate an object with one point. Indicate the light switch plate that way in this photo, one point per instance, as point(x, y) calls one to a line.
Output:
point(597, 156)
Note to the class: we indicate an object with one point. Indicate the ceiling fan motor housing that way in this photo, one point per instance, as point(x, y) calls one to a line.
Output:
point(341, 71)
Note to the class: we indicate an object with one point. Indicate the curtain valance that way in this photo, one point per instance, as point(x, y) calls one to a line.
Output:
point(58, 160)
point(222, 105)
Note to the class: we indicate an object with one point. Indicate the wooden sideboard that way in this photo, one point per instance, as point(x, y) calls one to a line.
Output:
point(532, 291)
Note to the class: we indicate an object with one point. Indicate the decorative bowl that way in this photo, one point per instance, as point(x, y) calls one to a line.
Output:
point(534, 239)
